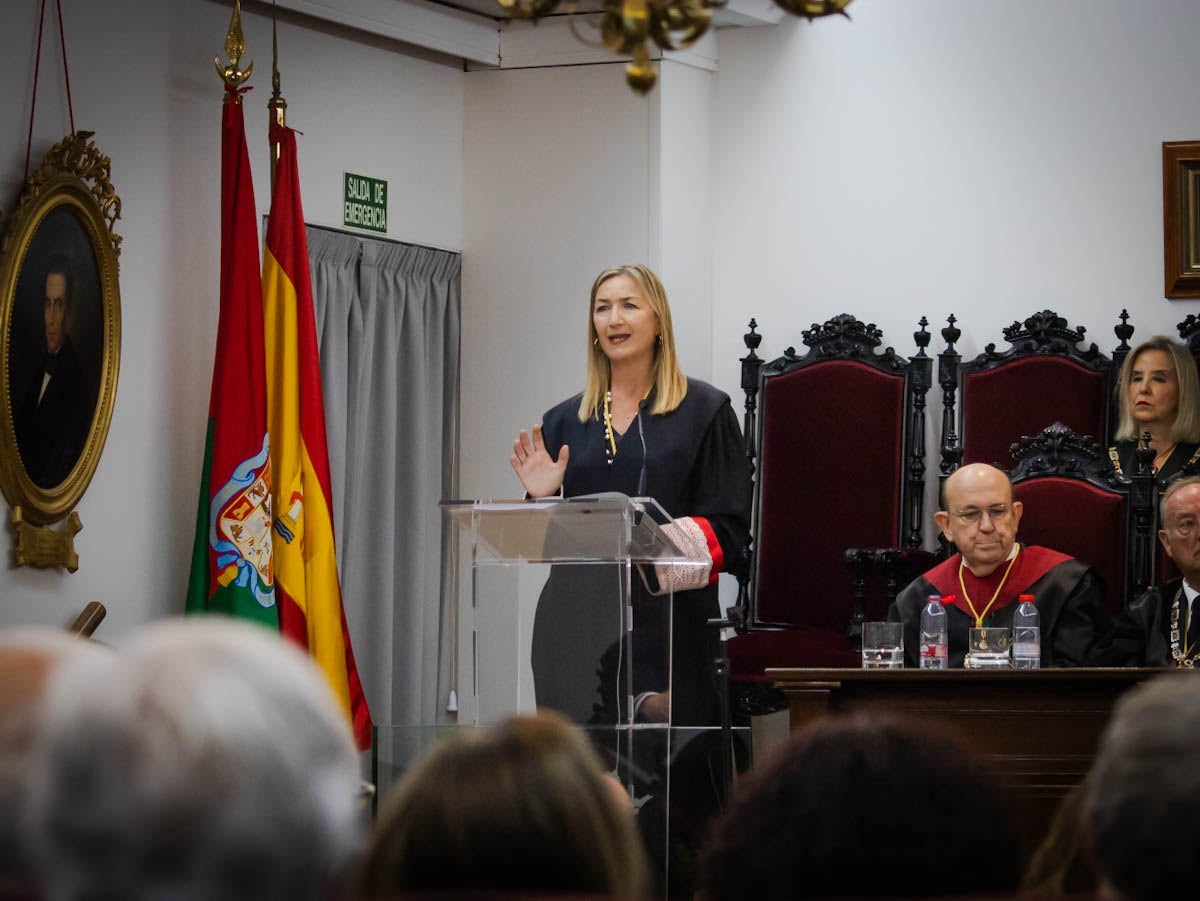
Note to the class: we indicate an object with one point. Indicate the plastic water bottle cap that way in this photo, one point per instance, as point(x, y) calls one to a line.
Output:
point(1025, 597)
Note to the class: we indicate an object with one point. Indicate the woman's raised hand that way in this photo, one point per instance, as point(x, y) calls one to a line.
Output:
point(540, 475)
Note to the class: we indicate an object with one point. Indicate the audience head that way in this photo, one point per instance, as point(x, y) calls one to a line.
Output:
point(1143, 798)
point(849, 806)
point(980, 516)
point(1158, 388)
point(28, 658)
point(1180, 532)
point(1062, 864)
point(209, 759)
point(521, 807)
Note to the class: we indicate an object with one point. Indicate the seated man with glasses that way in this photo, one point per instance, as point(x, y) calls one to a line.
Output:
point(992, 569)
point(1162, 626)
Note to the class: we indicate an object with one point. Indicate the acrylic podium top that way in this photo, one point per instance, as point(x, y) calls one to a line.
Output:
point(594, 528)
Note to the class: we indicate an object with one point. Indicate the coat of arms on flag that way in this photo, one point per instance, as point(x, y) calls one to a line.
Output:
point(241, 537)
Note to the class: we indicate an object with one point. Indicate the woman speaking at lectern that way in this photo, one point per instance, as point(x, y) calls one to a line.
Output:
point(640, 427)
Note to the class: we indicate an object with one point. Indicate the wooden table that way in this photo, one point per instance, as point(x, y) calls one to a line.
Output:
point(1040, 728)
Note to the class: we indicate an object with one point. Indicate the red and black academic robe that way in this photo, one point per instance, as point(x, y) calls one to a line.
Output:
point(1069, 596)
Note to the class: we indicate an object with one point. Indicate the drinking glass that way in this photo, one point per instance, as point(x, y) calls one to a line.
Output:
point(883, 646)
point(989, 648)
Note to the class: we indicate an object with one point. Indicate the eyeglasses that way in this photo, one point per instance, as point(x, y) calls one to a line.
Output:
point(996, 514)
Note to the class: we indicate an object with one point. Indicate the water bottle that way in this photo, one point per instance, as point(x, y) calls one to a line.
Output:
point(1027, 635)
point(934, 634)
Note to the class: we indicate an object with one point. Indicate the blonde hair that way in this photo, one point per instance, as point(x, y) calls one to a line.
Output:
point(670, 384)
point(523, 807)
point(1187, 413)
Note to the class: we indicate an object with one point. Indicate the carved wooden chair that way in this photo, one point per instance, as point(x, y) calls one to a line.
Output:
point(836, 438)
point(1075, 503)
point(1189, 334)
point(1045, 376)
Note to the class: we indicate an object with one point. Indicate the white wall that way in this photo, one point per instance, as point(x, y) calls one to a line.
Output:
point(556, 186)
point(567, 172)
point(682, 249)
point(936, 156)
point(142, 78)
point(931, 157)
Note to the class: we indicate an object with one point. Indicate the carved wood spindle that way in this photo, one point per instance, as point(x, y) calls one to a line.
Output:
point(919, 377)
point(751, 371)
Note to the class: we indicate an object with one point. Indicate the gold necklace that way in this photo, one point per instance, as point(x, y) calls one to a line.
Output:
point(966, 597)
point(1164, 455)
point(610, 439)
point(1181, 655)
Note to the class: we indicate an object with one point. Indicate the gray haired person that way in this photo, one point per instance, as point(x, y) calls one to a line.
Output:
point(208, 759)
point(29, 656)
point(1143, 797)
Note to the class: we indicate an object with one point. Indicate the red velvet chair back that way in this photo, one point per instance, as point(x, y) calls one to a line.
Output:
point(1044, 377)
point(835, 470)
point(1081, 519)
point(1002, 403)
point(829, 478)
point(1076, 504)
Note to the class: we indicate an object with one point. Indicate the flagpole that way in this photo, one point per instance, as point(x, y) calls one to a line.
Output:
point(276, 106)
point(235, 45)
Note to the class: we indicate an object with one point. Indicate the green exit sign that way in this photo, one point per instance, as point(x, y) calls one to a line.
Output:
point(366, 203)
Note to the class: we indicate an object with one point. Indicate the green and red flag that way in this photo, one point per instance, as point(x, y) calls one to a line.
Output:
point(306, 585)
point(232, 567)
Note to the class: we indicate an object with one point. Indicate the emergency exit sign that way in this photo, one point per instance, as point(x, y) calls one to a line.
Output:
point(366, 203)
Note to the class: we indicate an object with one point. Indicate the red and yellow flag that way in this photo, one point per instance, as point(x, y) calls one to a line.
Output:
point(306, 579)
point(231, 556)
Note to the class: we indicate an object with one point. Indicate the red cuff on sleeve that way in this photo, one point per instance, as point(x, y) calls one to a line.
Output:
point(714, 548)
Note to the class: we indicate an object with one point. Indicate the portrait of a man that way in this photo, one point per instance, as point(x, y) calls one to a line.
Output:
point(54, 350)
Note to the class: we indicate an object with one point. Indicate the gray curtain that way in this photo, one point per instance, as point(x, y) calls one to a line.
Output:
point(388, 323)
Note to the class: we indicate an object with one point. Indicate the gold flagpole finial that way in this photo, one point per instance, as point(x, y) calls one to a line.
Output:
point(276, 106)
point(235, 46)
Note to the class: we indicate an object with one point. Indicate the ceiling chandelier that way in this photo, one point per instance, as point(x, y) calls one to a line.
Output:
point(627, 25)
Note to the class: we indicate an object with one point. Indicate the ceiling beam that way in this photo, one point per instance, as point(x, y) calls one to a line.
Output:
point(467, 36)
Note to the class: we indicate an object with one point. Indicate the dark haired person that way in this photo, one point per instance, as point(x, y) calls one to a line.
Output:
point(521, 809)
point(864, 806)
point(52, 419)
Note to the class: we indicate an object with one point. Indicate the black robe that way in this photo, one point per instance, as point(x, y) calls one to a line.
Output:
point(695, 465)
point(1140, 635)
point(1069, 598)
point(52, 426)
point(1183, 454)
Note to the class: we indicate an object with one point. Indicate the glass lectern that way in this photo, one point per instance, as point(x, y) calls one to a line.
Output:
point(561, 610)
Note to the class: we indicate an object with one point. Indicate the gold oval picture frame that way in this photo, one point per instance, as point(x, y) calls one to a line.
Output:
point(60, 331)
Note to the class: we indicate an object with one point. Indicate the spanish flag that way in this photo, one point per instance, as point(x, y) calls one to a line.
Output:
point(306, 577)
point(231, 556)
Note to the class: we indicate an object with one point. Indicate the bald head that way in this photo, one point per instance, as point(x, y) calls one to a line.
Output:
point(974, 477)
point(981, 516)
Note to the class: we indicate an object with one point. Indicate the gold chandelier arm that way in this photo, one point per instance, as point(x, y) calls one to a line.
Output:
point(529, 9)
point(689, 17)
point(815, 9)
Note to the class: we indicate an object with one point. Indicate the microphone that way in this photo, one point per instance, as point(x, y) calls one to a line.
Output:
point(641, 486)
